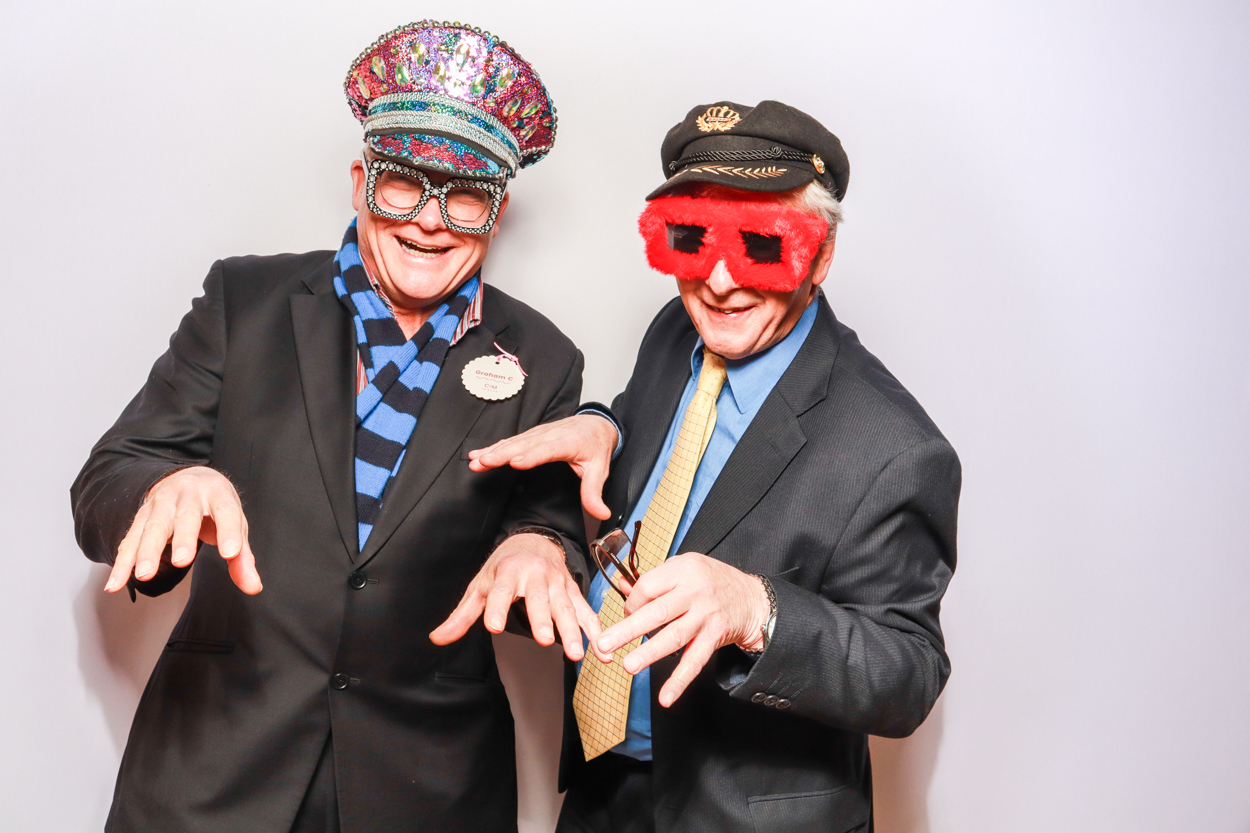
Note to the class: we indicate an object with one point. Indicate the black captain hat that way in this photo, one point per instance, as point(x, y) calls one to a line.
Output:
point(768, 147)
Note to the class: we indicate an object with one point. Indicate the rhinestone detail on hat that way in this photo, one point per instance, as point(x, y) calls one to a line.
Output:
point(418, 111)
point(438, 153)
point(460, 62)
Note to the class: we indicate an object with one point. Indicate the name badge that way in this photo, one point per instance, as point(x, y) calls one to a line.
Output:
point(494, 377)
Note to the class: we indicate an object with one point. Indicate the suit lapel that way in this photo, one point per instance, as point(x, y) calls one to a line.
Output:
point(771, 441)
point(445, 422)
point(324, 344)
point(764, 451)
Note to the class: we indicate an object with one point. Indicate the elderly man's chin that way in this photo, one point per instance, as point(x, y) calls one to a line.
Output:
point(420, 271)
point(744, 322)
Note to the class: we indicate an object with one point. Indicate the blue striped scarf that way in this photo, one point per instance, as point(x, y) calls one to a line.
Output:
point(386, 412)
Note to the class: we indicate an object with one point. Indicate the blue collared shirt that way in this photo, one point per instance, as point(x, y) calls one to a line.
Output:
point(749, 382)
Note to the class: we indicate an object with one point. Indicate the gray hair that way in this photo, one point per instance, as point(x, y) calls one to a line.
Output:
point(815, 199)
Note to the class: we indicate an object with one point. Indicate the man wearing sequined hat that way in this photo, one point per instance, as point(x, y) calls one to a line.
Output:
point(308, 426)
point(783, 514)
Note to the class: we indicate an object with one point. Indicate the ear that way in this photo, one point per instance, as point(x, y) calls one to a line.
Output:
point(358, 185)
point(824, 259)
point(801, 235)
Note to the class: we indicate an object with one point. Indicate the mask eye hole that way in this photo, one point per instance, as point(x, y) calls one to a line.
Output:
point(688, 239)
point(762, 248)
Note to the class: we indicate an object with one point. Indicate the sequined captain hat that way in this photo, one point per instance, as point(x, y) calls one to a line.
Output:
point(451, 97)
point(768, 147)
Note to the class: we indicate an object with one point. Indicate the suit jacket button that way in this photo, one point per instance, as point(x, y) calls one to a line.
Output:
point(357, 580)
point(758, 697)
point(783, 704)
point(770, 700)
point(339, 681)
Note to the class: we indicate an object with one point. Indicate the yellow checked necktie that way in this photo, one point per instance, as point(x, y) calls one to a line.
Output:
point(601, 698)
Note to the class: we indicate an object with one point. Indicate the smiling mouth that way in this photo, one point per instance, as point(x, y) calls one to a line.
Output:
point(728, 310)
point(422, 251)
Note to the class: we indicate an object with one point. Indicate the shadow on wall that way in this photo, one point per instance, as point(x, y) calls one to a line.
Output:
point(534, 678)
point(119, 642)
point(901, 772)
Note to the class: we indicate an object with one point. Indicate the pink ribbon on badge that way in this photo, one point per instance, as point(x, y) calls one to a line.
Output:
point(504, 354)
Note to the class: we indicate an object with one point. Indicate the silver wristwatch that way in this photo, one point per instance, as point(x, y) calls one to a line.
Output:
point(766, 630)
point(548, 534)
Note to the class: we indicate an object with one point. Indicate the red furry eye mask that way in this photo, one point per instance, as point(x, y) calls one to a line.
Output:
point(764, 245)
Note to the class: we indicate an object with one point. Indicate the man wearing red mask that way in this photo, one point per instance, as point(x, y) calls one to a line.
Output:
point(779, 521)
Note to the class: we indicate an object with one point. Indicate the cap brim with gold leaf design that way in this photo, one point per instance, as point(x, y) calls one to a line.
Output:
point(453, 98)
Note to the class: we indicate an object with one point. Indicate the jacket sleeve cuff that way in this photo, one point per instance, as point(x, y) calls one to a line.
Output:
point(106, 510)
point(605, 412)
point(166, 578)
point(769, 677)
point(518, 619)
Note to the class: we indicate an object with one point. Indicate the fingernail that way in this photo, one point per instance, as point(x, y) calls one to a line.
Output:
point(631, 667)
point(605, 645)
point(546, 633)
point(496, 623)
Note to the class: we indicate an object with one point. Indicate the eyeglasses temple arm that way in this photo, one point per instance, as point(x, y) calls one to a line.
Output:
point(620, 568)
point(633, 551)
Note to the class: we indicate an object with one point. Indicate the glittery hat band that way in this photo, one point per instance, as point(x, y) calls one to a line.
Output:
point(441, 115)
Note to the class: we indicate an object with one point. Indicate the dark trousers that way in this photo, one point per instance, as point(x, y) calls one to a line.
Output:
point(319, 812)
point(613, 796)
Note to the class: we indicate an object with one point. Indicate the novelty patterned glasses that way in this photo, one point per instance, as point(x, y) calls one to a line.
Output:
point(469, 206)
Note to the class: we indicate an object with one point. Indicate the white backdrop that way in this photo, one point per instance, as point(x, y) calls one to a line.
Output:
point(1045, 241)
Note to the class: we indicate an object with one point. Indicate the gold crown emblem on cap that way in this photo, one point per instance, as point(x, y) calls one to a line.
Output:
point(717, 118)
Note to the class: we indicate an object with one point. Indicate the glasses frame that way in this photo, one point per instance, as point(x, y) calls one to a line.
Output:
point(604, 558)
point(430, 189)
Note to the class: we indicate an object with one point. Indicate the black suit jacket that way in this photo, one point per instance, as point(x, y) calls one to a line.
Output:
point(844, 494)
point(259, 383)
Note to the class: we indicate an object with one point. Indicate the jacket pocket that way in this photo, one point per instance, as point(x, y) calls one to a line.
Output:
point(469, 661)
point(198, 646)
point(831, 811)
